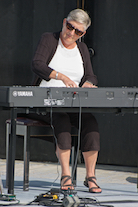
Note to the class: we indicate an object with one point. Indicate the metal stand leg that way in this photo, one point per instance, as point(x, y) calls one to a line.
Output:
point(73, 159)
point(137, 180)
point(12, 149)
point(26, 158)
point(7, 150)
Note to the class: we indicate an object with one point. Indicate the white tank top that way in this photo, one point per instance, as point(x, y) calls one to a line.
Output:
point(68, 62)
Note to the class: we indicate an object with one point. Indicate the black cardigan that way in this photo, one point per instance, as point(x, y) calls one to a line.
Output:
point(45, 51)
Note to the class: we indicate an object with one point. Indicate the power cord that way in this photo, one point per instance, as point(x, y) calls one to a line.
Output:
point(79, 132)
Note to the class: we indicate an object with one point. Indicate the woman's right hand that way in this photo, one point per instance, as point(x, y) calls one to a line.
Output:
point(67, 81)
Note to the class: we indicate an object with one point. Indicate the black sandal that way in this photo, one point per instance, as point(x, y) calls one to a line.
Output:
point(91, 179)
point(63, 184)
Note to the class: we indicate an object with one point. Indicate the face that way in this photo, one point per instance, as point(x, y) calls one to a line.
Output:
point(68, 34)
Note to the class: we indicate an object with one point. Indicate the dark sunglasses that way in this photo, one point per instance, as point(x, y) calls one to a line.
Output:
point(71, 27)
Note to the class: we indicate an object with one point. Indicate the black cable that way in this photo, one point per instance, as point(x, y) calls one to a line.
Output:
point(52, 202)
point(51, 117)
point(79, 132)
point(93, 201)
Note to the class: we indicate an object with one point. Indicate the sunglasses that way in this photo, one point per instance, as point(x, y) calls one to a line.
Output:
point(71, 27)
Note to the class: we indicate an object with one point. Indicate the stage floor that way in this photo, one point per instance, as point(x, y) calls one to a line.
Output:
point(119, 184)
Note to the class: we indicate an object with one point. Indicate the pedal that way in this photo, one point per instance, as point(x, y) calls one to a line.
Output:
point(70, 201)
point(64, 192)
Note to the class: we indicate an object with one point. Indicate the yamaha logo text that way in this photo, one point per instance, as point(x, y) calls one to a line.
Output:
point(22, 93)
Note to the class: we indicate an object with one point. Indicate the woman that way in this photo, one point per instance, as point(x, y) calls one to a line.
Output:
point(61, 60)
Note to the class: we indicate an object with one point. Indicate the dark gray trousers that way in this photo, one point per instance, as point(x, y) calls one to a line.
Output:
point(62, 122)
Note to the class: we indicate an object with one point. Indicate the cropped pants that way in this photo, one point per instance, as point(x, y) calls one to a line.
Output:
point(62, 123)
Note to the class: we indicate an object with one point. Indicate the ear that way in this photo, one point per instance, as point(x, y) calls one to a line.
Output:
point(83, 34)
point(64, 21)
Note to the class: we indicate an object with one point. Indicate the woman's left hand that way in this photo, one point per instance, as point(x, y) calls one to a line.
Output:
point(88, 85)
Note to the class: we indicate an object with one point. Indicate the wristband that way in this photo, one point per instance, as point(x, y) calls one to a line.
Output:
point(56, 76)
point(89, 82)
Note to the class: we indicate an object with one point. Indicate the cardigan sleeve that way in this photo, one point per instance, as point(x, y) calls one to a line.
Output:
point(43, 54)
point(88, 70)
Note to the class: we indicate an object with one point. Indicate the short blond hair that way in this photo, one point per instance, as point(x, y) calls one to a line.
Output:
point(81, 16)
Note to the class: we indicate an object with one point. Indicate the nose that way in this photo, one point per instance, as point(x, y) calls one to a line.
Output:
point(72, 32)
